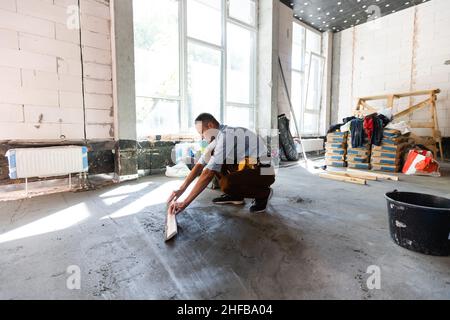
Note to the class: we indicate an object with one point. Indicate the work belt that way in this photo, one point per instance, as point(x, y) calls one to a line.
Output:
point(250, 163)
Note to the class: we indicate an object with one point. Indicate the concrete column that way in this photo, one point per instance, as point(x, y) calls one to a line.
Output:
point(327, 52)
point(122, 38)
point(267, 96)
point(267, 92)
point(335, 79)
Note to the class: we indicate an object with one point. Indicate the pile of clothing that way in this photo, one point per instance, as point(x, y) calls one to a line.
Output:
point(359, 146)
point(370, 128)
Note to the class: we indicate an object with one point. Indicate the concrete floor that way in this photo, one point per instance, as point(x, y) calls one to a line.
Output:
point(316, 242)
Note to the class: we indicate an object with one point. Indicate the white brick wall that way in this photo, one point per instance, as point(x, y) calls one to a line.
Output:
point(382, 60)
point(41, 95)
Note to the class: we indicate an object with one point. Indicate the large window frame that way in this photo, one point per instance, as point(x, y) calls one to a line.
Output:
point(185, 123)
point(304, 74)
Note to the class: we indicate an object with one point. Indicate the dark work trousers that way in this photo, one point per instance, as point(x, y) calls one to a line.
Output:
point(247, 183)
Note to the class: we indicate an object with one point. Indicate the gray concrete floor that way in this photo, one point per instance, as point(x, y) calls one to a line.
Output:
point(315, 242)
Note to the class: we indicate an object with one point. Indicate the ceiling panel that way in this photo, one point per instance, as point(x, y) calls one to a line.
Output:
point(337, 15)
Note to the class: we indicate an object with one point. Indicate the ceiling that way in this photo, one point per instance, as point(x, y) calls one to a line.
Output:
point(337, 15)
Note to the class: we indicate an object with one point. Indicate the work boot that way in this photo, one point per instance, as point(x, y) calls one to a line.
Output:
point(227, 199)
point(260, 205)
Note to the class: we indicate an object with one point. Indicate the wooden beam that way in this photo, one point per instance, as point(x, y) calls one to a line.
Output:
point(402, 95)
point(370, 108)
point(390, 103)
point(417, 93)
point(381, 97)
point(359, 175)
point(358, 105)
point(342, 179)
point(380, 176)
point(415, 124)
point(412, 109)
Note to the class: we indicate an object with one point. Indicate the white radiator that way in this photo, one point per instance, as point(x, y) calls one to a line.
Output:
point(47, 162)
point(310, 145)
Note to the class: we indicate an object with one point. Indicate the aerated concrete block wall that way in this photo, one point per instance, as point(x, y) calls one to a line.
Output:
point(405, 51)
point(41, 61)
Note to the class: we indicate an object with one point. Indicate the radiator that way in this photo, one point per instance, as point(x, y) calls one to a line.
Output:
point(310, 145)
point(46, 162)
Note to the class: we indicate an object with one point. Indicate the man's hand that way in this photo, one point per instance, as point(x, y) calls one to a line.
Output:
point(175, 195)
point(177, 207)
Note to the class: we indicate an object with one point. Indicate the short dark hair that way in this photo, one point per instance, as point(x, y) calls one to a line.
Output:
point(205, 118)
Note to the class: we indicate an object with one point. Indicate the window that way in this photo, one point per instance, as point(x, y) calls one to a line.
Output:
point(156, 47)
point(311, 112)
point(240, 64)
point(157, 61)
point(204, 20)
point(243, 10)
point(156, 113)
point(307, 77)
point(194, 56)
point(204, 81)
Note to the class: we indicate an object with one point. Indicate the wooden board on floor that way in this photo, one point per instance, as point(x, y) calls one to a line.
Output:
point(342, 178)
point(359, 175)
point(380, 176)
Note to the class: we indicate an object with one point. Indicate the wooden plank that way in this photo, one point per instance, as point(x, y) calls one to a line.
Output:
point(417, 93)
point(380, 176)
point(412, 109)
point(402, 95)
point(368, 107)
point(417, 124)
point(380, 97)
point(171, 226)
point(342, 179)
point(390, 103)
point(359, 175)
point(358, 105)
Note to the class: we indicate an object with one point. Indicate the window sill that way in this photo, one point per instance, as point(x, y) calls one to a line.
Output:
point(171, 138)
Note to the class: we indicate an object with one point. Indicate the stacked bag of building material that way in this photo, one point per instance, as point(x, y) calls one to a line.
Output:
point(336, 149)
point(389, 155)
point(359, 158)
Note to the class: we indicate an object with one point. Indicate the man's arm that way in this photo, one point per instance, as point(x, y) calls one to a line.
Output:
point(195, 172)
point(205, 178)
point(187, 182)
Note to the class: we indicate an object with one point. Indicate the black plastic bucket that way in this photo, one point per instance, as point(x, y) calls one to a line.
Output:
point(420, 222)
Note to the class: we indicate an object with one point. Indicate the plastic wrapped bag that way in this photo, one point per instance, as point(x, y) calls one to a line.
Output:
point(180, 170)
point(421, 162)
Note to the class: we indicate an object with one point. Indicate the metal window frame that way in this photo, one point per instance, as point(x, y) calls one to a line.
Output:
point(306, 75)
point(183, 43)
point(253, 76)
point(314, 111)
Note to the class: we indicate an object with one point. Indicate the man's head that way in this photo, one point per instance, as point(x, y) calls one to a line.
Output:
point(207, 126)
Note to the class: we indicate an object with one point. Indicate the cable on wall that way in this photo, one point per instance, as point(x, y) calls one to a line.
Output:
point(82, 72)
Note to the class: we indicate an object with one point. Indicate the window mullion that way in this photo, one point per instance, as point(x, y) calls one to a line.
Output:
point(204, 43)
point(225, 7)
point(183, 61)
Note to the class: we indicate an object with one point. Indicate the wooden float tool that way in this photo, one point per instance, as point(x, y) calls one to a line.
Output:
point(171, 225)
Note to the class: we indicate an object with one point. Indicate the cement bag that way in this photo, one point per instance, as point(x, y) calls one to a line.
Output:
point(287, 143)
point(421, 162)
point(180, 170)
